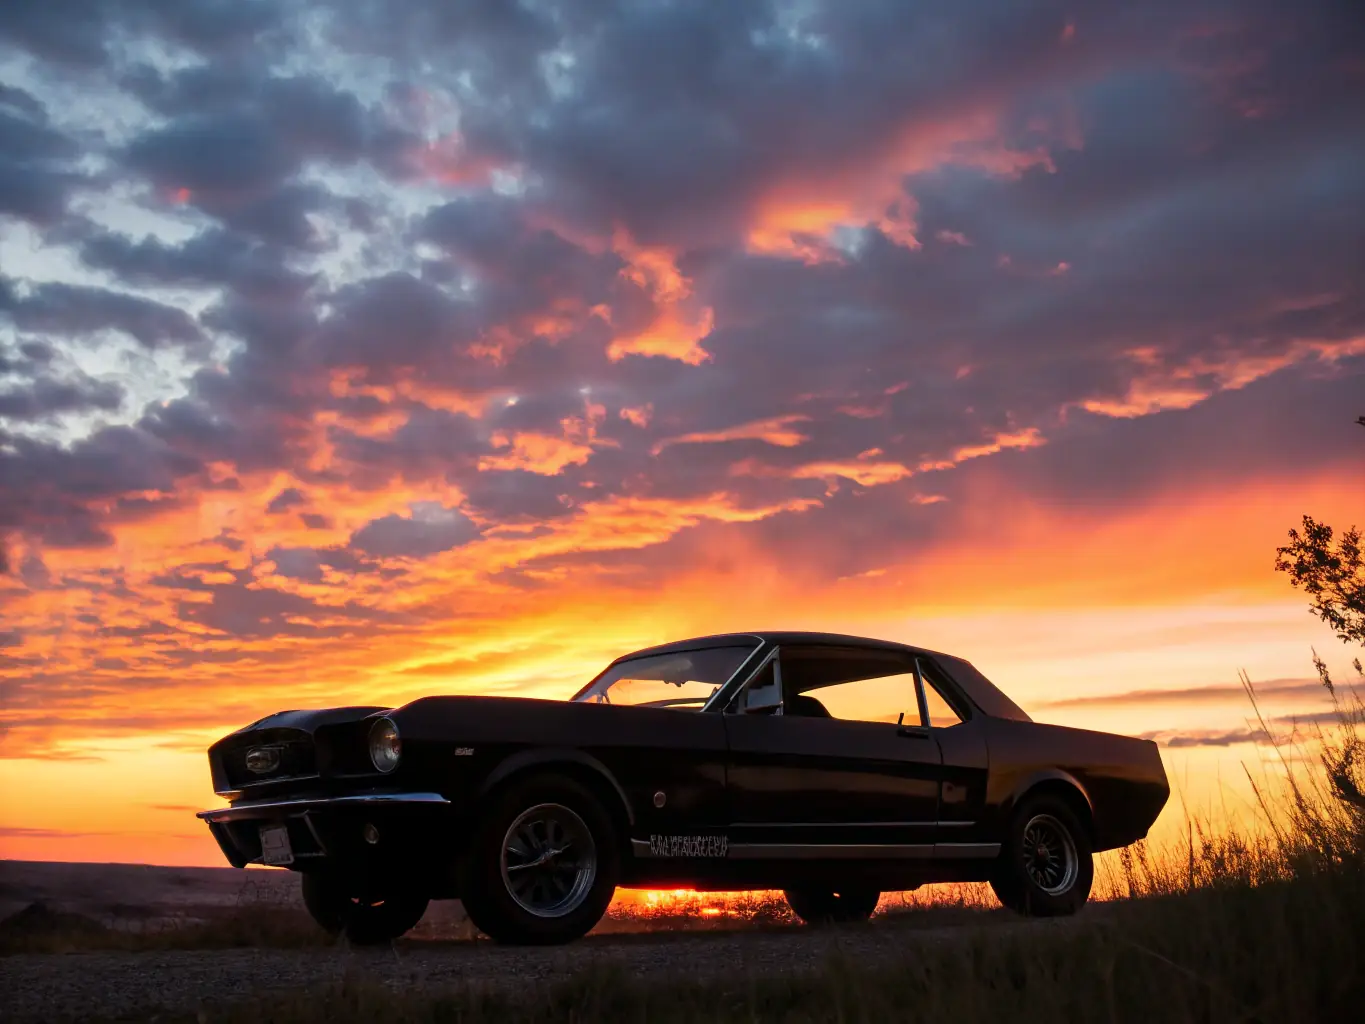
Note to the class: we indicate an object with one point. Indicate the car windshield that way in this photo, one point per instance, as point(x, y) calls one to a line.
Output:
point(685, 679)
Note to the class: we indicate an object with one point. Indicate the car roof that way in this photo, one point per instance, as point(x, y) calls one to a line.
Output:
point(777, 637)
point(988, 697)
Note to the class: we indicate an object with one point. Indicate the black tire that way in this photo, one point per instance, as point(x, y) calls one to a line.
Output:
point(1046, 866)
point(825, 906)
point(519, 891)
point(366, 922)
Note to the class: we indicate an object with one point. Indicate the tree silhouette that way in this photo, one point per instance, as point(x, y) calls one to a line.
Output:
point(1332, 575)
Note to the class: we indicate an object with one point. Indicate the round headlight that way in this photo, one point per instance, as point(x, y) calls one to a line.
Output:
point(385, 745)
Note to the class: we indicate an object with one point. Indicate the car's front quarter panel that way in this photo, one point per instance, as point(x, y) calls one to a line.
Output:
point(668, 765)
point(1120, 778)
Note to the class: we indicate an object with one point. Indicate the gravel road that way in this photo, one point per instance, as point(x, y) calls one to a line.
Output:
point(51, 987)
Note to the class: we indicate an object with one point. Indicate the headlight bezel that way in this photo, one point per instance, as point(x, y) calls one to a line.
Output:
point(386, 745)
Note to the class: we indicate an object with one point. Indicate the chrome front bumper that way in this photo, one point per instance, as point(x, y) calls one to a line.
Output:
point(325, 826)
point(288, 808)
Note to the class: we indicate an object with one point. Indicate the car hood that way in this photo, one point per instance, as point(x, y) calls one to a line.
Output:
point(311, 720)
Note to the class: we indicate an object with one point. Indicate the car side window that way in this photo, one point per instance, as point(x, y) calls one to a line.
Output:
point(849, 685)
point(763, 693)
point(941, 713)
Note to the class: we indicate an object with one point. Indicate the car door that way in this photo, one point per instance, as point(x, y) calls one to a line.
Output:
point(963, 830)
point(829, 757)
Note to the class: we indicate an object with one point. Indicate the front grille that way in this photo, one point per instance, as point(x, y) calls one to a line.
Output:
point(269, 756)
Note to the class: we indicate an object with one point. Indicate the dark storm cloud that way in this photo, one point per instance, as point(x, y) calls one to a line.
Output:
point(491, 237)
point(243, 610)
point(217, 158)
point(297, 563)
point(518, 496)
point(35, 174)
point(1278, 427)
point(721, 100)
point(396, 322)
point(62, 494)
point(79, 32)
point(237, 136)
point(296, 117)
point(46, 397)
point(65, 310)
point(290, 497)
point(427, 531)
point(214, 258)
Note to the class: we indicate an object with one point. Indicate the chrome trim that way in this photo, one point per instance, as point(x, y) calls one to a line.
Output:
point(852, 824)
point(771, 656)
point(831, 851)
point(758, 646)
point(967, 851)
point(258, 808)
point(725, 688)
point(846, 851)
point(920, 699)
point(228, 794)
point(369, 739)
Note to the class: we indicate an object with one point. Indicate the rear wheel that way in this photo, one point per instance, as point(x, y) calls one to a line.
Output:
point(1046, 867)
point(366, 921)
point(826, 906)
point(544, 861)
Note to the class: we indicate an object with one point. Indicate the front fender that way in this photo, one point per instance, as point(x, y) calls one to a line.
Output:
point(526, 759)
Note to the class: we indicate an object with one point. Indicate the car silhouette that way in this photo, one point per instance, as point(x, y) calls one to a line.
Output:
point(832, 767)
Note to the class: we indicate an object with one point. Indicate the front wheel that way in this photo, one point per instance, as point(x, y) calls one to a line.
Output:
point(1046, 867)
point(825, 906)
point(366, 921)
point(543, 863)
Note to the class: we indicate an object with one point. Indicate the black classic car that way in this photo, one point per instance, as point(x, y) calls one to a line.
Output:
point(832, 767)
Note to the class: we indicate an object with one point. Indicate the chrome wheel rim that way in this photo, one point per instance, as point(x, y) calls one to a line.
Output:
point(549, 860)
point(1050, 854)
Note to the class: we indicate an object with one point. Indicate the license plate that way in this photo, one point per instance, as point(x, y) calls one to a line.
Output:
point(275, 848)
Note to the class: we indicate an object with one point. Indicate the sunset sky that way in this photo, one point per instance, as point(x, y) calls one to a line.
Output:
point(352, 352)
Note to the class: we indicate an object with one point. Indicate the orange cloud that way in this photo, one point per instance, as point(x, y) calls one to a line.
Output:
point(869, 471)
point(800, 216)
point(678, 327)
point(1029, 438)
point(1156, 386)
point(775, 431)
point(536, 453)
point(865, 473)
point(639, 415)
point(549, 454)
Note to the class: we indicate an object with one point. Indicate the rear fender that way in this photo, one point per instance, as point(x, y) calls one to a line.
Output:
point(1047, 775)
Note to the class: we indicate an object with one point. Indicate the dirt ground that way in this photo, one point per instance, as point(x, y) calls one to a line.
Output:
point(48, 986)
